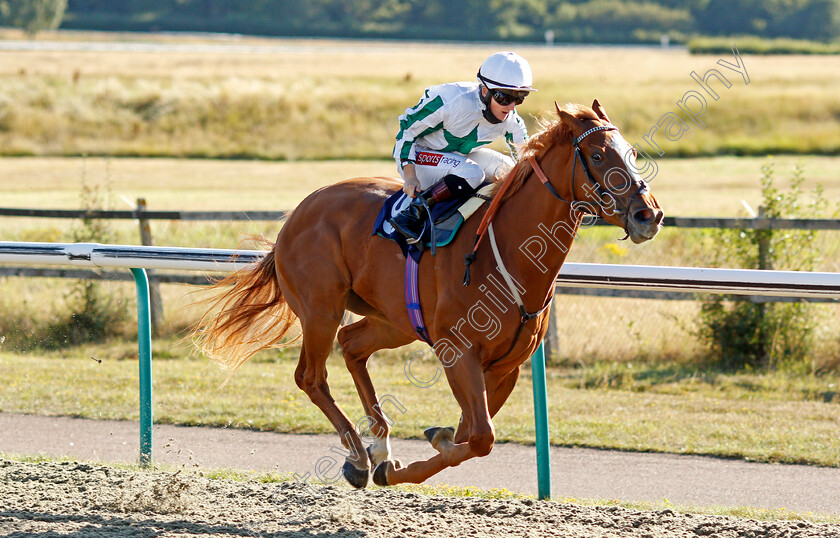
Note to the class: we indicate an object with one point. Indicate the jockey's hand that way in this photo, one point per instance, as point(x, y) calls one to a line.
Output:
point(411, 185)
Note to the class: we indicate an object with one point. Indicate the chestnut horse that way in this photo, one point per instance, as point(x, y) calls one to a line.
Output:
point(326, 261)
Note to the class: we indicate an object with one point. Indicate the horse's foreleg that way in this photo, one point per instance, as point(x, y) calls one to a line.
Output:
point(419, 471)
point(454, 447)
point(467, 382)
point(499, 388)
point(451, 455)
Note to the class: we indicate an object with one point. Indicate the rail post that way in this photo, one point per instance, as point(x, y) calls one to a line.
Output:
point(764, 233)
point(541, 422)
point(144, 342)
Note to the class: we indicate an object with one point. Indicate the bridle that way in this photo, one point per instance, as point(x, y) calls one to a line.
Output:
point(598, 188)
point(525, 316)
point(575, 204)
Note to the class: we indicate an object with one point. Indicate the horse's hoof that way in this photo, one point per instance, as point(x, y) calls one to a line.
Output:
point(358, 478)
point(380, 474)
point(436, 434)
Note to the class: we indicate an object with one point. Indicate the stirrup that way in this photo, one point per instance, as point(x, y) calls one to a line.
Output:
point(418, 241)
point(410, 239)
point(415, 215)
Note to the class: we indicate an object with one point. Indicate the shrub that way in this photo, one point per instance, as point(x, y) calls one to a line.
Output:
point(759, 45)
point(94, 314)
point(33, 15)
point(745, 334)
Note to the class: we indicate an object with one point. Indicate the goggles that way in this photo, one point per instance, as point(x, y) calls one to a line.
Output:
point(505, 98)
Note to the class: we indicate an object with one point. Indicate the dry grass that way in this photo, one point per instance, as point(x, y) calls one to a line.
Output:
point(627, 328)
point(305, 99)
point(711, 186)
point(170, 184)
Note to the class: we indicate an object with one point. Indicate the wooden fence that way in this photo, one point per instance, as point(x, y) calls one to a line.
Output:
point(143, 216)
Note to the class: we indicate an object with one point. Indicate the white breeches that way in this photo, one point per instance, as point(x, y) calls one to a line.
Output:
point(481, 164)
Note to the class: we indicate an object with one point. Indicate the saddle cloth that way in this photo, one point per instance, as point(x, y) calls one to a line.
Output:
point(448, 215)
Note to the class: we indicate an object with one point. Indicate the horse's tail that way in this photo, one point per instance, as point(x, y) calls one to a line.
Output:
point(249, 317)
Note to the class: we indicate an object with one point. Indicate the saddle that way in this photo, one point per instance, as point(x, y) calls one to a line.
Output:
point(448, 217)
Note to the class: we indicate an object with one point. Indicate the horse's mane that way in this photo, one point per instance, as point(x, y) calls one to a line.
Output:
point(551, 133)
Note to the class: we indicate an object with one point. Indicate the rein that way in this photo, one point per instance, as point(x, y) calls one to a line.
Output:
point(486, 226)
point(495, 203)
point(578, 157)
point(497, 199)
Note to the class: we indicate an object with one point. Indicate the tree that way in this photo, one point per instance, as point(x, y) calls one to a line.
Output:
point(802, 19)
point(816, 19)
point(33, 15)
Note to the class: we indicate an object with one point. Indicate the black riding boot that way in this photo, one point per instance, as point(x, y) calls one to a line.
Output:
point(411, 221)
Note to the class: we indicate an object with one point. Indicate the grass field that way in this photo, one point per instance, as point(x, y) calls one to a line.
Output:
point(665, 408)
point(315, 99)
point(716, 186)
point(711, 186)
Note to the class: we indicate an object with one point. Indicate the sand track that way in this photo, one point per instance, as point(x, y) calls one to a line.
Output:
point(81, 499)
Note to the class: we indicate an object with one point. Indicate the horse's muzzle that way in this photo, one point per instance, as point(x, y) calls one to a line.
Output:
point(644, 218)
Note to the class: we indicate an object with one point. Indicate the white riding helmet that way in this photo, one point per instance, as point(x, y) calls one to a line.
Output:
point(506, 71)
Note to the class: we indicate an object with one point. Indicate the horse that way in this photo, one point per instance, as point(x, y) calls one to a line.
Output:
point(326, 261)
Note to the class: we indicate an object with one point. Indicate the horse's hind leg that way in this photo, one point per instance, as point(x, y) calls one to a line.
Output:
point(358, 341)
point(311, 377)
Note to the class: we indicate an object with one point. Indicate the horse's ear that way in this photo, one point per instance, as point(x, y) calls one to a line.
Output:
point(596, 106)
point(568, 121)
point(566, 117)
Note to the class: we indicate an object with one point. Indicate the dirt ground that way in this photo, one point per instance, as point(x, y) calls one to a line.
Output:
point(82, 499)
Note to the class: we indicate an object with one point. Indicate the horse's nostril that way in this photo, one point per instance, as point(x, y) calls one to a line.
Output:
point(643, 216)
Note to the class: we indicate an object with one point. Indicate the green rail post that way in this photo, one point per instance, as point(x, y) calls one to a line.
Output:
point(541, 422)
point(144, 340)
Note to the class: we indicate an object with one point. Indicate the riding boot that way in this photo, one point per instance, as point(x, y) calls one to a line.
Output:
point(411, 221)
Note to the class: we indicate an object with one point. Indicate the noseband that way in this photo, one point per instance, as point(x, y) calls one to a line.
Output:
point(602, 192)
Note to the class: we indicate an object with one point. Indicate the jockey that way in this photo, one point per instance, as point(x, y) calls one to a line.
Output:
point(438, 148)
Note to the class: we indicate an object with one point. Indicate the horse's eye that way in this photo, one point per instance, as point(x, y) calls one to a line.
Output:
point(596, 158)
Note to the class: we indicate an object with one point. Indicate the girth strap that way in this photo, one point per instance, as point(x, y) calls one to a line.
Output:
point(412, 299)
